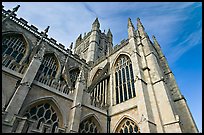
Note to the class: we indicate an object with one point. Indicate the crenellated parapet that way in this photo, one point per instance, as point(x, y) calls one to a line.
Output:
point(34, 30)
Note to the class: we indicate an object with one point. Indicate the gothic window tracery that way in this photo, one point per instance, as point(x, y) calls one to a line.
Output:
point(13, 45)
point(124, 79)
point(48, 69)
point(43, 113)
point(89, 126)
point(127, 126)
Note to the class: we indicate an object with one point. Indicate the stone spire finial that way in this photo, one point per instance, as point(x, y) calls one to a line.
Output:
point(71, 46)
point(139, 24)
point(155, 41)
point(11, 13)
point(130, 23)
point(46, 30)
point(16, 8)
point(96, 23)
point(109, 32)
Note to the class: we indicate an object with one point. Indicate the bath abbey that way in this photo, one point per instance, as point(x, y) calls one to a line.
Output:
point(92, 86)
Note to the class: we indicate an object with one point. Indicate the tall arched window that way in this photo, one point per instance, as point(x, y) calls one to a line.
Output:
point(13, 45)
point(89, 125)
point(127, 126)
point(43, 113)
point(48, 69)
point(124, 79)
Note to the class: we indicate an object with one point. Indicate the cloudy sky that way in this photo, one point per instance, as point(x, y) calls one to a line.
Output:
point(176, 25)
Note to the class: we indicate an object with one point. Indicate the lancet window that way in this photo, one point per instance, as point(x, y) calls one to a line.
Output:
point(124, 79)
point(43, 113)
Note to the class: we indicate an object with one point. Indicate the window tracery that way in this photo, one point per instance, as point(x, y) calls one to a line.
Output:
point(127, 126)
point(43, 113)
point(48, 69)
point(88, 126)
point(124, 79)
point(13, 49)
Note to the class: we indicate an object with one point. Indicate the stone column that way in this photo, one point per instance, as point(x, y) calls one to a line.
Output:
point(22, 90)
point(75, 113)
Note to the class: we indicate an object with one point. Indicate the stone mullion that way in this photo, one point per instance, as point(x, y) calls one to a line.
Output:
point(126, 83)
point(130, 80)
point(118, 91)
point(99, 93)
point(104, 92)
point(122, 84)
point(94, 96)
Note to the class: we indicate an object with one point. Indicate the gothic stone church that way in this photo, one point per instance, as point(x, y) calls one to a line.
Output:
point(94, 87)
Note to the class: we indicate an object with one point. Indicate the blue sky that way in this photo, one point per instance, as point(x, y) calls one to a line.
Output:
point(176, 25)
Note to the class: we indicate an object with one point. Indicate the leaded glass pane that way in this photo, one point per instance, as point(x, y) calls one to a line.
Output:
point(88, 126)
point(124, 78)
point(126, 126)
point(43, 113)
point(13, 45)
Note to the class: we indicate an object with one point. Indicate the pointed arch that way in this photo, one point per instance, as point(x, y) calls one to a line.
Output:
point(56, 59)
point(45, 110)
point(90, 124)
point(126, 124)
point(49, 69)
point(99, 69)
point(123, 78)
point(16, 45)
point(51, 101)
point(116, 58)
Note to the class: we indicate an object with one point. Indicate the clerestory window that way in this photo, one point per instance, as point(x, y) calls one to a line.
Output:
point(14, 46)
point(48, 68)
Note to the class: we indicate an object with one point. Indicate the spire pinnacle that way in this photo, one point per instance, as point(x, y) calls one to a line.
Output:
point(16, 8)
point(109, 33)
point(46, 30)
point(130, 23)
point(139, 24)
point(155, 41)
point(96, 23)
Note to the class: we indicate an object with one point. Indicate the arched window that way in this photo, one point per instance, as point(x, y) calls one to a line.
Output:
point(89, 125)
point(124, 79)
point(13, 45)
point(74, 73)
point(43, 113)
point(48, 68)
point(127, 126)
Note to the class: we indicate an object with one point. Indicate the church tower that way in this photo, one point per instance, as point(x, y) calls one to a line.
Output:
point(98, 88)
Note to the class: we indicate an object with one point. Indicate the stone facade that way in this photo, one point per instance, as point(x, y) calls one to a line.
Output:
point(97, 87)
